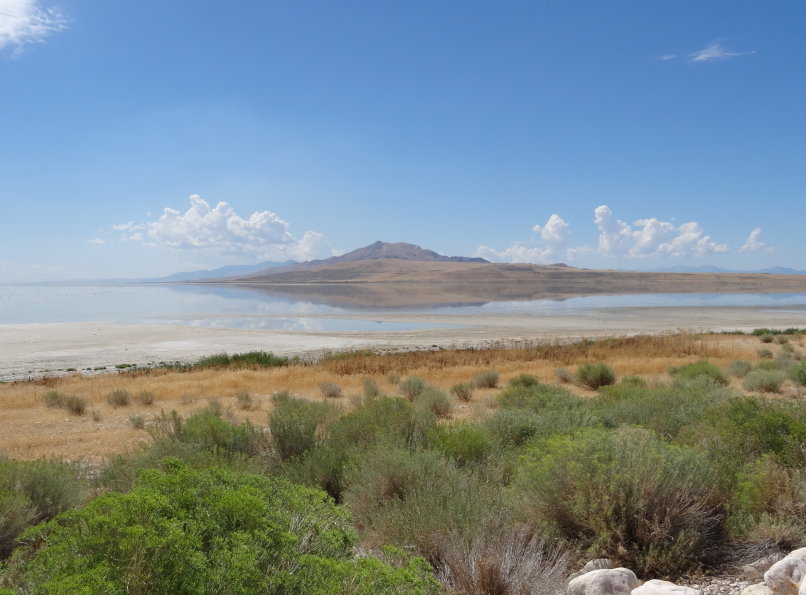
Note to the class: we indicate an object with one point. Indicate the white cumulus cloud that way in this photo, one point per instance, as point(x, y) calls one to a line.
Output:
point(220, 229)
point(754, 242)
point(716, 51)
point(26, 21)
point(651, 237)
point(548, 245)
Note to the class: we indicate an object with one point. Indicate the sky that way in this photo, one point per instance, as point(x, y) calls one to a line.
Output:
point(141, 138)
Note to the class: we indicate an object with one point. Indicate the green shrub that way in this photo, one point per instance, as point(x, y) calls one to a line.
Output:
point(118, 398)
point(798, 374)
point(770, 504)
point(137, 421)
point(594, 376)
point(539, 398)
point(742, 429)
point(765, 354)
point(769, 365)
point(488, 379)
point(700, 369)
point(739, 368)
point(210, 531)
point(411, 387)
point(434, 400)
point(768, 381)
point(75, 404)
point(251, 359)
point(32, 492)
point(626, 495)
point(210, 432)
point(765, 338)
point(666, 410)
point(463, 391)
point(296, 425)
point(330, 390)
point(416, 499)
point(525, 380)
point(464, 443)
point(512, 427)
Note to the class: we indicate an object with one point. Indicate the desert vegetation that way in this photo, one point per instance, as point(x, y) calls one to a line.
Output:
point(655, 452)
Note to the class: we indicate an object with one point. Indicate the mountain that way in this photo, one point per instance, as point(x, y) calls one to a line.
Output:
point(397, 251)
point(222, 272)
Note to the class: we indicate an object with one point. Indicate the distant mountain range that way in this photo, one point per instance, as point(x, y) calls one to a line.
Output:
point(713, 269)
point(232, 270)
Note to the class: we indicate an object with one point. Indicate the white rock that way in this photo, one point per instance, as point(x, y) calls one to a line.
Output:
point(759, 589)
point(658, 587)
point(606, 581)
point(784, 576)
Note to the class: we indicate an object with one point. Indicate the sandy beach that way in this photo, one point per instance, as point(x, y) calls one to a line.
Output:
point(32, 350)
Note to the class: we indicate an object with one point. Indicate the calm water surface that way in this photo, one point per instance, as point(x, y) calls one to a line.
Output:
point(224, 307)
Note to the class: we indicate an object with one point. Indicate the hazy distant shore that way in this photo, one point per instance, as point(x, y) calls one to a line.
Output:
point(29, 350)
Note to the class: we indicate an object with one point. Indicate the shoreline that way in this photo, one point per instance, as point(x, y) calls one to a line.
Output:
point(31, 351)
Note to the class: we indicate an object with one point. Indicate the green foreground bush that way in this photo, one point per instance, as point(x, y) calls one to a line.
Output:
point(595, 376)
point(212, 531)
point(626, 495)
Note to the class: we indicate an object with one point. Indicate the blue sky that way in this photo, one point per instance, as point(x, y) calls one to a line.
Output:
point(602, 134)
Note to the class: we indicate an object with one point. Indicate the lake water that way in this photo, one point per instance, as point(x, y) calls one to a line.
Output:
point(236, 308)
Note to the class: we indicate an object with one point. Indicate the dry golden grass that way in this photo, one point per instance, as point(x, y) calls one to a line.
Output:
point(31, 430)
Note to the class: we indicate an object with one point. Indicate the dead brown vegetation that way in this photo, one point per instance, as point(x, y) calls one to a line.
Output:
point(32, 430)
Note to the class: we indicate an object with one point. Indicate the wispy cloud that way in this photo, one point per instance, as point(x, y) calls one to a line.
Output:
point(26, 21)
point(754, 242)
point(667, 57)
point(97, 241)
point(221, 230)
point(716, 51)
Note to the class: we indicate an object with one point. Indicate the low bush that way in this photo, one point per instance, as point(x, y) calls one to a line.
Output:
point(739, 368)
point(330, 390)
point(512, 427)
point(251, 359)
point(765, 354)
point(75, 404)
point(411, 387)
point(32, 492)
point(626, 495)
point(488, 379)
point(207, 430)
point(798, 374)
point(539, 398)
point(138, 422)
point(463, 443)
point(297, 425)
point(370, 387)
point(434, 400)
point(767, 381)
point(698, 370)
point(145, 397)
point(595, 376)
point(766, 338)
point(54, 398)
point(118, 398)
point(524, 380)
point(210, 531)
point(770, 504)
point(463, 391)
